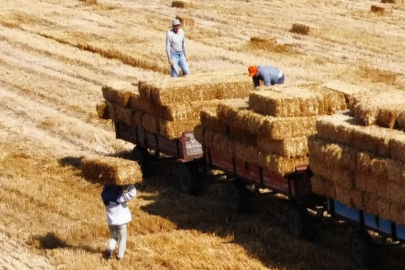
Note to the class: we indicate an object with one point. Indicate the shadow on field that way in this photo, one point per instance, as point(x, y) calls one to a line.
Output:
point(52, 241)
point(261, 232)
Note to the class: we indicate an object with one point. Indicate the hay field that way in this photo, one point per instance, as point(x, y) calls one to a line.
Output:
point(55, 55)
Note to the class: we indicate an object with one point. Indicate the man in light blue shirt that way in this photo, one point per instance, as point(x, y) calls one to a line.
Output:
point(269, 75)
point(176, 50)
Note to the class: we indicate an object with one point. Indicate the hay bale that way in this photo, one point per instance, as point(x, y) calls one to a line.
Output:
point(195, 88)
point(103, 110)
point(245, 152)
point(323, 187)
point(223, 145)
point(199, 134)
point(397, 147)
point(124, 115)
point(267, 43)
point(388, 1)
point(289, 147)
point(279, 164)
point(239, 133)
point(89, 2)
point(111, 170)
point(182, 4)
point(210, 121)
point(379, 107)
point(137, 119)
point(334, 173)
point(395, 171)
point(150, 123)
point(300, 29)
point(348, 90)
point(174, 129)
point(279, 128)
point(377, 9)
point(118, 92)
point(401, 120)
point(296, 102)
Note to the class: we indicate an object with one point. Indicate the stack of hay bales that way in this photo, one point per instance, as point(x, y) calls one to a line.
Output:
point(111, 170)
point(358, 158)
point(270, 128)
point(171, 106)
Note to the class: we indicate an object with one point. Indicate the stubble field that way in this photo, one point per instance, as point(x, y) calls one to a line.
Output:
point(56, 54)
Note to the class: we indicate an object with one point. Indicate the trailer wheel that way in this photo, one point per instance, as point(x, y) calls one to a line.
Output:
point(362, 248)
point(299, 223)
point(187, 175)
point(238, 197)
point(141, 155)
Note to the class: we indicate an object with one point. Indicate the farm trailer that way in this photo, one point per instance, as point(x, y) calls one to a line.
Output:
point(186, 149)
point(296, 186)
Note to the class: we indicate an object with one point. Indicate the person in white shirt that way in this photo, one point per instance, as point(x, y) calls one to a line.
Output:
point(176, 50)
point(115, 199)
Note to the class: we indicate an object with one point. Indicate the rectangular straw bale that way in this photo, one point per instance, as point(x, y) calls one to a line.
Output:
point(246, 152)
point(224, 145)
point(341, 155)
point(112, 109)
point(103, 110)
point(395, 192)
point(279, 164)
point(316, 147)
point(118, 92)
point(210, 121)
point(209, 138)
point(239, 133)
point(379, 168)
point(397, 147)
point(322, 187)
point(111, 170)
point(379, 107)
point(278, 128)
point(290, 102)
point(357, 198)
point(199, 133)
point(124, 115)
point(137, 119)
point(250, 120)
point(289, 147)
point(348, 90)
point(372, 185)
point(150, 123)
point(397, 212)
point(182, 4)
point(174, 129)
point(343, 195)
point(167, 92)
point(337, 127)
point(339, 175)
point(395, 171)
point(401, 121)
point(370, 202)
point(228, 110)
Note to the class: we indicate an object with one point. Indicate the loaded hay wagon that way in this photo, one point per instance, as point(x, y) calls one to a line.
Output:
point(159, 117)
point(358, 162)
point(262, 142)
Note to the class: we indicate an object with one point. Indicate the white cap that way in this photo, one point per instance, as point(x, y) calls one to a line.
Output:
point(176, 22)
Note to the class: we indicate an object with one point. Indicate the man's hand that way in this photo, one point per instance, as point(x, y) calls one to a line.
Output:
point(171, 62)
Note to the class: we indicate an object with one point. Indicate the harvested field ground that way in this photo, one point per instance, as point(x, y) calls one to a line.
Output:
point(56, 54)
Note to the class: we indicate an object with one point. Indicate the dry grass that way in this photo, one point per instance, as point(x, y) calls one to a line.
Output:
point(55, 57)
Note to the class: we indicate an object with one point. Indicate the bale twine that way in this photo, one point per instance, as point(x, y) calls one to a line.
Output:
point(182, 4)
point(300, 29)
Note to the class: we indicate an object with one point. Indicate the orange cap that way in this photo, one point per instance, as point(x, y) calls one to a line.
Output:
point(252, 71)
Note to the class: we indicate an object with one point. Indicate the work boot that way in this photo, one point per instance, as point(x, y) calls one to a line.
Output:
point(108, 254)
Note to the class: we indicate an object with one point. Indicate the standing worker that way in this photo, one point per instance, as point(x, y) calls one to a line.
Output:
point(115, 199)
point(176, 50)
point(269, 75)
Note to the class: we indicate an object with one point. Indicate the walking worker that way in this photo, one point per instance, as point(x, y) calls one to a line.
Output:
point(115, 199)
point(176, 50)
point(269, 75)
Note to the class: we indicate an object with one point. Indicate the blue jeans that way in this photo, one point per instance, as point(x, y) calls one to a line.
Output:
point(279, 81)
point(179, 61)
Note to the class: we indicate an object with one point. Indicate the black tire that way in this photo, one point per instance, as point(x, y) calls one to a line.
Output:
point(299, 223)
point(362, 248)
point(188, 178)
point(238, 197)
point(141, 155)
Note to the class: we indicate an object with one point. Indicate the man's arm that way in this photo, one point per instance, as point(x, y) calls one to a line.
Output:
point(168, 46)
point(266, 79)
point(128, 195)
point(256, 81)
point(184, 45)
